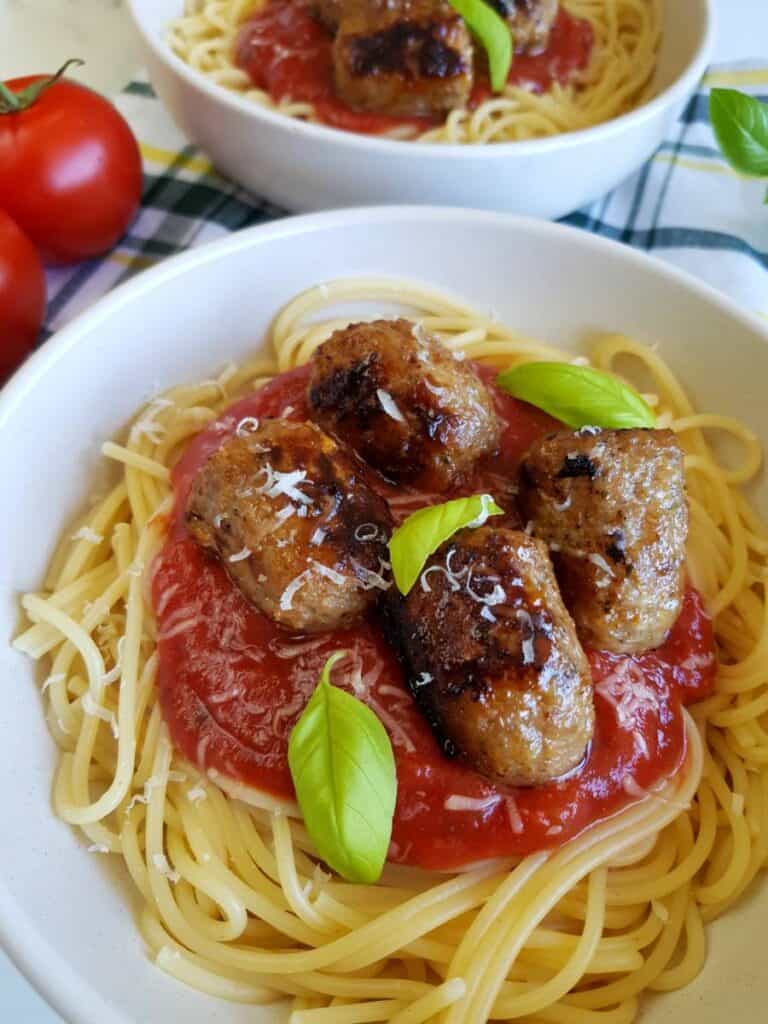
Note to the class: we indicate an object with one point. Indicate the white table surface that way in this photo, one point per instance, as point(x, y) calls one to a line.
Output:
point(39, 35)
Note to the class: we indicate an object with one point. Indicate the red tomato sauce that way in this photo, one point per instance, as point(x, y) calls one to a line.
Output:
point(232, 684)
point(288, 53)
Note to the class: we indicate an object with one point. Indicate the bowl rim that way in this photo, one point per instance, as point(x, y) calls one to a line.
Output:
point(49, 973)
point(678, 90)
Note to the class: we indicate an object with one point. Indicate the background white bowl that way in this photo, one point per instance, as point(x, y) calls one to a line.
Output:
point(310, 167)
point(64, 914)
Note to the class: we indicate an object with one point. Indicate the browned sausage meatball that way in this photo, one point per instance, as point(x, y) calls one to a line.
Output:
point(531, 22)
point(295, 524)
point(403, 402)
point(493, 659)
point(611, 504)
point(402, 57)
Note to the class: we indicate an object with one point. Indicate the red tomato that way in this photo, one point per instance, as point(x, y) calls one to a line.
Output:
point(70, 170)
point(22, 296)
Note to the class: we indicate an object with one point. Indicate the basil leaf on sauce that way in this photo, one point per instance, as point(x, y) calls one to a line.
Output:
point(741, 126)
point(494, 34)
point(343, 770)
point(422, 534)
point(578, 396)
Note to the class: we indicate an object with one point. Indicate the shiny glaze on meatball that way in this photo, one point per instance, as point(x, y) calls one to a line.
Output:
point(406, 405)
point(402, 57)
point(492, 657)
point(611, 505)
point(295, 524)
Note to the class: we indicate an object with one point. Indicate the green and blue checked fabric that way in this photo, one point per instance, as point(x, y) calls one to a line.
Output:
point(686, 205)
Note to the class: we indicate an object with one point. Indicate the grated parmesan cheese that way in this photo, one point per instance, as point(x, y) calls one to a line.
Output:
point(419, 333)
point(285, 513)
point(485, 511)
point(90, 707)
point(196, 794)
point(529, 655)
point(694, 661)
point(454, 578)
point(161, 865)
point(389, 405)
point(295, 650)
point(515, 819)
point(469, 803)
point(497, 595)
point(330, 574)
point(247, 425)
point(240, 556)
point(629, 693)
point(366, 531)
point(368, 579)
point(165, 597)
point(87, 534)
point(287, 484)
point(287, 596)
point(147, 427)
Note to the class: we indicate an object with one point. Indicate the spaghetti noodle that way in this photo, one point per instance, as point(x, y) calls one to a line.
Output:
point(234, 902)
point(616, 80)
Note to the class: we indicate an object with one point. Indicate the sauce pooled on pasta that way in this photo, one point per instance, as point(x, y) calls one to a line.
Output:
point(232, 685)
point(288, 53)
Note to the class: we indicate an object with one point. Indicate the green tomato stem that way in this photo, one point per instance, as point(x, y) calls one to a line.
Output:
point(9, 102)
point(14, 102)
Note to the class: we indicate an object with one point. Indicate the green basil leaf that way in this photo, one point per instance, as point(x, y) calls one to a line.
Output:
point(343, 771)
point(578, 395)
point(422, 534)
point(494, 34)
point(741, 127)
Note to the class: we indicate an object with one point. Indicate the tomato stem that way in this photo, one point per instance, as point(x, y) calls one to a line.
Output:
point(14, 102)
point(9, 102)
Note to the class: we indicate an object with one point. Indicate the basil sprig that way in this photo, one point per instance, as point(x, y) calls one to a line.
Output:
point(494, 34)
point(578, 396)
point(343, 770)
point(741, 126)
point(422, 534)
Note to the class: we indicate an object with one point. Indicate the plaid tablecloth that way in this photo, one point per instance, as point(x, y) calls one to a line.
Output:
point(686, 205)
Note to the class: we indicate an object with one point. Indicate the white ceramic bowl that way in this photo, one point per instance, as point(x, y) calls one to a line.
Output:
point(310, 167)
point(64, 914)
